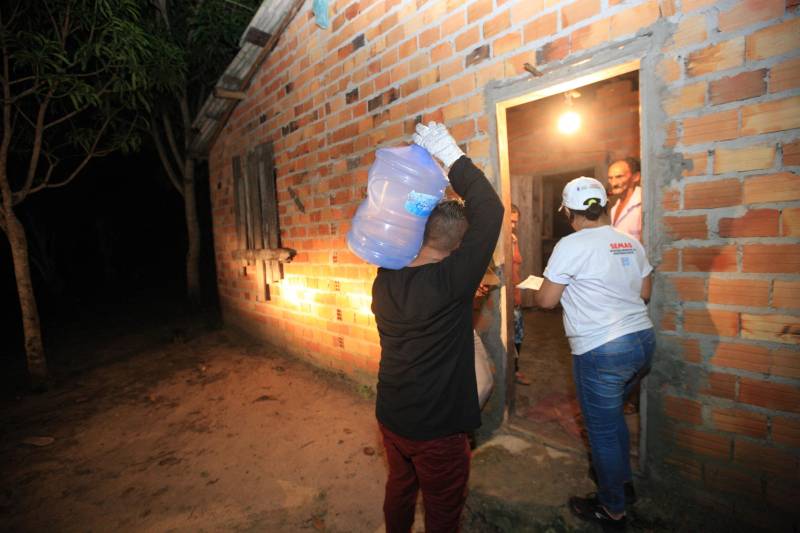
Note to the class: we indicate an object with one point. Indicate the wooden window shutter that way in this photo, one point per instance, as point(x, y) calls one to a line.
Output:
point(269, 208)
point(257, 221)
point(269, 196)
point(240, 203)
point(255, 234)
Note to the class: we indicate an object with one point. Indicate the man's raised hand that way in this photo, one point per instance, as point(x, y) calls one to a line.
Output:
point(438, 142)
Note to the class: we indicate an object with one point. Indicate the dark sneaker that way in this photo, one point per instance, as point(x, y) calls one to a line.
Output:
point(591, 510)
point(630, 492)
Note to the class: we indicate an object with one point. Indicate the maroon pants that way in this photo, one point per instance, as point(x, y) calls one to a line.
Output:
point(439, 467)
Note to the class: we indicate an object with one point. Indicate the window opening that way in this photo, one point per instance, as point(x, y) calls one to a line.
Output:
point(257, 229)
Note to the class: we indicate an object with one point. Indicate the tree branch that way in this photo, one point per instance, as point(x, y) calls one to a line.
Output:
point(88, 74)
point(23, 79)
point(92, 152)
point(237, 4)
point(38, 132)
point(20, 113)
point(10, 22)
point(162, 154)
point(5, 144)
point(99, 92)
point(65, 32)
point(162, 8)
point(65, 117)
point(52, 18)
point(93, 25)
point(173, 146)
point(24, 93)
point(187, 121)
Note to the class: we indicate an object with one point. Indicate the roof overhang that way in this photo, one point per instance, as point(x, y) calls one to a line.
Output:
point(255, 45)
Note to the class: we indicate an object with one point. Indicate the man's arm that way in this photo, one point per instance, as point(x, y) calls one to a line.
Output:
point(463, 269)
point(484, 210)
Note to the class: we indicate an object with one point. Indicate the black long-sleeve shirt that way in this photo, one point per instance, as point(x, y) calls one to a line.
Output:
point(426, 378)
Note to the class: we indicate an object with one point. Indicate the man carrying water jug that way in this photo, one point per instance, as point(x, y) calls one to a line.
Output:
point(427, 400)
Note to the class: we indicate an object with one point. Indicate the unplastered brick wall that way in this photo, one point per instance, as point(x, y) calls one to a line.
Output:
point(724, 415)
point(728, 379)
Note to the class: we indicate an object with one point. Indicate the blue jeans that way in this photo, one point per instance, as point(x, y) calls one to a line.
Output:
point(603, 377)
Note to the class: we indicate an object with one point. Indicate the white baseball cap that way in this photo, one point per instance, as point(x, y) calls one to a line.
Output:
point(582, 192)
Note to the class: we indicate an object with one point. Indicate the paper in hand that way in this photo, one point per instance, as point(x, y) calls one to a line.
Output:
point(533, 282)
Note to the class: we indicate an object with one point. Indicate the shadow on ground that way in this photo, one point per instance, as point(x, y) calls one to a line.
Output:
point(181, 425)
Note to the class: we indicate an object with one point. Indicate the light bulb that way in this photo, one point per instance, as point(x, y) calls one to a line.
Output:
point(569, 122)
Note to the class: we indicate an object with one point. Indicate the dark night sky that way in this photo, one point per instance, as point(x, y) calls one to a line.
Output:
point(116, 234)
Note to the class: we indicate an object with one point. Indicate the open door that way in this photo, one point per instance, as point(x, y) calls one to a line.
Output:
point(540, 161)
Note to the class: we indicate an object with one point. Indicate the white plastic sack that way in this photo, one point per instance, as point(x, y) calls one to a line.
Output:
point(483, 371)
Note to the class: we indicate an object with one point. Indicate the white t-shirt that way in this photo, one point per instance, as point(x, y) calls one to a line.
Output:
point(602, 269)
point(630, 220)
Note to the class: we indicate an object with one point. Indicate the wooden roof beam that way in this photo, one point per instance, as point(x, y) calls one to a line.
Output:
point(257, 37)
point(227, 94)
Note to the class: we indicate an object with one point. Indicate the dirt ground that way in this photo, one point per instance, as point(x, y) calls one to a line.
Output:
point(199, 432)
point(549, 405)
point(158, 425)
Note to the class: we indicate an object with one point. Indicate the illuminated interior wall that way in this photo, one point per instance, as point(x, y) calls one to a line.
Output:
point(609, 129)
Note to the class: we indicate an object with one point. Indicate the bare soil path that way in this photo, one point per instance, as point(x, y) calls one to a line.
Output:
point(209, 433)
point(158, 424)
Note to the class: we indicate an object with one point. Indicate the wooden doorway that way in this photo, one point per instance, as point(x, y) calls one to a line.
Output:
point(536, 162)
point(540, 225)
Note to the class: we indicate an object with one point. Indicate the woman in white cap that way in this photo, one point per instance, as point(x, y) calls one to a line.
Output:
point(601, 277)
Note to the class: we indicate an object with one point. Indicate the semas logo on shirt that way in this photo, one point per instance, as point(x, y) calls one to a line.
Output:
point(623, 250)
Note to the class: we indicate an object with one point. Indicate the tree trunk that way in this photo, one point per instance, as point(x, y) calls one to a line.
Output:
point(34, 349)
point(192, 233)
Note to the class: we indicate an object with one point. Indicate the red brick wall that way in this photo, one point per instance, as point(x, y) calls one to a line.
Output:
point(725, 393)
point(730, 311)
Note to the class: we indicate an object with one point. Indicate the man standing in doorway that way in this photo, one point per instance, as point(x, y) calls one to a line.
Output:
point(624, 181)
point(427, 398)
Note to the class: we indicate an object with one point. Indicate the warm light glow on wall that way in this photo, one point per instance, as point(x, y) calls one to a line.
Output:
point(569, 122)
point(290, 293)
point(295, 294)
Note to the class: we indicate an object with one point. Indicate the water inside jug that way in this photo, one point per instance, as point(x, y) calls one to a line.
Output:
point(403, 187)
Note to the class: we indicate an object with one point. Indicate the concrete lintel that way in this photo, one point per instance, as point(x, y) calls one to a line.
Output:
point(563, 76)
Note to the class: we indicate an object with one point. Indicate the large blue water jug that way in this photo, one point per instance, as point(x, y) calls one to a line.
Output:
point(404, 185)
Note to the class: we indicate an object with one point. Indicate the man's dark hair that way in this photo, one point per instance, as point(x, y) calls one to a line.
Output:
point(446, 226)
point(633, 164)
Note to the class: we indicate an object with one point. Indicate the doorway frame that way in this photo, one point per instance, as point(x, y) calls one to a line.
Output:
point(616, 59)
